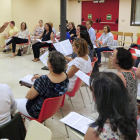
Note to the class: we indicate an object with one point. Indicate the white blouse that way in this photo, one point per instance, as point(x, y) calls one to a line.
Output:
point(23, 34)
point(81, 64)
point(107, 39)
point(8, 105)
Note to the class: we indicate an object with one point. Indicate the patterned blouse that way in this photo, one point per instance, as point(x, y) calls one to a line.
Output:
point(46, 89)
point(108, 134)
point(131, 85)
point(38, 30)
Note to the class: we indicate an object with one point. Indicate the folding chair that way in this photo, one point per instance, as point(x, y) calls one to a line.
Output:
point(128, 35)
point(100, 31)
point(118, 34)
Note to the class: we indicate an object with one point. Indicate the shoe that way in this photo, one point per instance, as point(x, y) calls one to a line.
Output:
point(8, 50)
point(4, 51)
point(45, 68)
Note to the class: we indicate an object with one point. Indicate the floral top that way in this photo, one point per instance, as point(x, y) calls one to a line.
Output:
point(108, 134)
point(46, 89)
point(38, 30)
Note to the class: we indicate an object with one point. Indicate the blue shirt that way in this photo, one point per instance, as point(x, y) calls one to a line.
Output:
point(92, 35)
point(46, 89)
point(68, 36)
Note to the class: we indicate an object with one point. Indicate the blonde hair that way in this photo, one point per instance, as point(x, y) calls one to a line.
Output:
point(72, 23)
point(90, 22)
point(82, 47)
point(51, 24)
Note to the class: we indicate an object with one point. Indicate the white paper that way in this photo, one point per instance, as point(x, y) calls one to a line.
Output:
point(84, 77)
point(137, 52)
point(94, 46)
point(56, 40)
point(77, 121)
point(19, 36)
point(39, 40)
point(27, 79)
point(67, 47)
point(44, 58)
point(58, 47)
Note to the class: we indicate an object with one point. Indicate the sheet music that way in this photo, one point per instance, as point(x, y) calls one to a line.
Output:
point(44, 58)
point(27, 79)
point(56, 40)
point(137, 52)
point(84, 77)
point(58, 47)
point(77, 121)
point(67, 47)
point(94, 46)
point(39, 40)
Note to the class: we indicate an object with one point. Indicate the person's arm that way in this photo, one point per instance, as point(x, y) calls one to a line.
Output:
point(138, 72)
point(72, 71)
point(52, 36)
point(68, 58)
point(99, 39)
point(91, 134)
point(32, 93)
point(93, 36)
point(4, 26)
point(108, 41)
point(39, 36)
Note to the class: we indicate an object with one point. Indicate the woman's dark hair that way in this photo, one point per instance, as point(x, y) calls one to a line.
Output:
point(125, 59)
point(12, 22)
point(108, 28)
point(25, 26)
point(82, 27)
point(50, 27)
point(112, 101)
point(66, 21)
point(57, 61)
point(85, 35)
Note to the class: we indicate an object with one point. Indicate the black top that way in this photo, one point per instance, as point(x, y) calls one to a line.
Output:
point(45, 36)
point(73, 31)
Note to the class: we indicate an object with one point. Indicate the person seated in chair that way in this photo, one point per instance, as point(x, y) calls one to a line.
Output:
point(107, 39)
point(53, 29)
point(8, 105)
point(72, 30)
point(116, 120)
point(81, 62)
point(12, 31)
point(51, 85)
point(79, 29)
point(21, 37)
point(47, 35)
point(37, 32)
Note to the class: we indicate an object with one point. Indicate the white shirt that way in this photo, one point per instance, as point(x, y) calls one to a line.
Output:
point(92, 35)
point(8, 105)
point(54, 31)
point(107, 39)
point(23, 34)
point(81, 64)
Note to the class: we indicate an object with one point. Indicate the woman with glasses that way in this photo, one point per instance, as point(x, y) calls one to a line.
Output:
point(81, 62)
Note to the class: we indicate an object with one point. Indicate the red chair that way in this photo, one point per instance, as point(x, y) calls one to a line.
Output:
point(115, 37)
point(98, 35)
point(133, 51)
point(23, 44)
point(77, 86)
point(138, 41)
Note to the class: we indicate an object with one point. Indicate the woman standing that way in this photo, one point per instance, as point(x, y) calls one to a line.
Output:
point(91, 31)
point(21, 37)
point(46, 36)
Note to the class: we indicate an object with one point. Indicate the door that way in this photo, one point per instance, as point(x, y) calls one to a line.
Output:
point(107, 13)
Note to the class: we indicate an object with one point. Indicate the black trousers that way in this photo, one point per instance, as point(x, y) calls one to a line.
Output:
point(36, 48)
point(16, 40)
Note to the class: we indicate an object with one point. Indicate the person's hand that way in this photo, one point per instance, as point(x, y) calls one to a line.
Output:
point(35, 77)
point(43, 42)
point(96, 41)
point(5, 24)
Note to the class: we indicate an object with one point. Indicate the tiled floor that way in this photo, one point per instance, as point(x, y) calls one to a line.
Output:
point(12, 69)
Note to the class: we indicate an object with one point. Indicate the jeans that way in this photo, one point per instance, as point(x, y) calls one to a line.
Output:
point(16, 40)
point(99, 50)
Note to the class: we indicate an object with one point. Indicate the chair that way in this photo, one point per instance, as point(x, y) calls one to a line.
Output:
point(14, 129)
point(138, 38)
point(23, 44)
point(95, 31)
point(128, 35)
point(77, 86)
point(98, 35)
point(37, 131)
point(133, 51)
point(49, 108)
point(100, 31)
point(92, 64)
point(118, 34)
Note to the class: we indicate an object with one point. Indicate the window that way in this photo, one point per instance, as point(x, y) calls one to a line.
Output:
point(135, 13)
